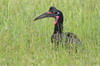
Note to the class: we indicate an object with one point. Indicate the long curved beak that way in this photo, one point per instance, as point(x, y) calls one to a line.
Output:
point(44, 15)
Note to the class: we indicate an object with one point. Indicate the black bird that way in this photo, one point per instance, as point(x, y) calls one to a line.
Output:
point(58, 35)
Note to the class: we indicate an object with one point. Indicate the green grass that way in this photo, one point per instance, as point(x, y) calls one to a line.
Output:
point(24, 42)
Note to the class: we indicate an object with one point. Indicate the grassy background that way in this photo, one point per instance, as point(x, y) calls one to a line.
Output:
point(24, 42)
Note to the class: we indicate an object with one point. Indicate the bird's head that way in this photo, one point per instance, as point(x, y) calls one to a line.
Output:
point(53, 12)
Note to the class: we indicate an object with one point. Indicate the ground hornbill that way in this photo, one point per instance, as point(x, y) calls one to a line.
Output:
point(58, 36)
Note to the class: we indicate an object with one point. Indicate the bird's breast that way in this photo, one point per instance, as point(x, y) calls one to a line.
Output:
point(57, 38)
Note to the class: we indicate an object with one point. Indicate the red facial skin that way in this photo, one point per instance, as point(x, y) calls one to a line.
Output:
point(49, 12)
point(57, 17)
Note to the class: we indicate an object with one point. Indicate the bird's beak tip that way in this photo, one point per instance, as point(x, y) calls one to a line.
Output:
point(35, 19)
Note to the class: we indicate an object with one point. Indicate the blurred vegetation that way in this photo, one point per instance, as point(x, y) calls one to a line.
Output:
point(24, 42)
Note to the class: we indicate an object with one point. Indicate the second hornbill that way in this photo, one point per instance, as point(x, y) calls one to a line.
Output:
point(58, 35)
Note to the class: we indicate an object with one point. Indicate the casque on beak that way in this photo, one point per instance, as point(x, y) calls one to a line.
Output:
point(45, 15)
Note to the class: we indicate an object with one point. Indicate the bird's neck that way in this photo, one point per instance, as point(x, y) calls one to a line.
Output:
point(59, 26)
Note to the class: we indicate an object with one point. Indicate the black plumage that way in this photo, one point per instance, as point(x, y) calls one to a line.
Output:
point(58, 35)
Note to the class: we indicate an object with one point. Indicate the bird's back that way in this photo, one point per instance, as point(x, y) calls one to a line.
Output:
point(72, 38)
point(67, 38)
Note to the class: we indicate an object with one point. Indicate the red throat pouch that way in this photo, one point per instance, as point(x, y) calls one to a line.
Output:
point(56, 20)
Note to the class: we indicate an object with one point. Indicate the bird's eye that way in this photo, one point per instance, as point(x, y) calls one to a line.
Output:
point(56, 12)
